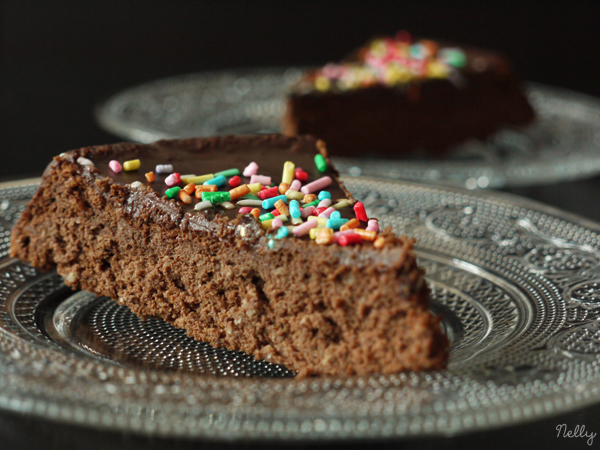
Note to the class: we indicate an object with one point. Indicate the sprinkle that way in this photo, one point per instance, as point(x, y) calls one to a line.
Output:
point(266, 224)
point(239, 191)
point(200, 189)
point(335, 223)
point(115, 166)
point(198, 180)
point(282, 232)
point(227, 173)
point(288, 172)
point(361, 214)
point(342, 204)
point(296, 185)
point(172, 179)
point(295, 209)
point(150, 177)
point(164, 168)
point(379, 242)
point(283, 188)
point(227, 205)
point(275, 213)
point(254, 188)
point(235, 182)
point(136, 184)
point(268, 193)
point(373, 225)
point(277, 223)
point(352, 223)
point(217, 181)
point(324, 236)
point(185, 197)
point(296, 221)
point(134, 164)
point(320, 210)
point(283, 208)
point(249, 202)
point(348, 239)
point(266, 216)
point(322, 221)
point(316, 185)
point(255, 212)
point(301, 175)
point(303, 229)
point(216, 197)
point(265, 181)
point(294, 195)
point(338, 234)
point(190, 188)
point(250, 169)
point(320, 163)
point(309, 198)
point(323, 195)
point(366, 234)
point(271, 243)
point(203, 205)
point(307, 211)
point(335, 214)
point(186, 176)
point(270, 202)
point(172, 192)
point(327, 213)
point(325, 202)
point(244, 210)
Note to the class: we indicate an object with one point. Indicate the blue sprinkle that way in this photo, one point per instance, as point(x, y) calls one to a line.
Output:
point(335, 215)
point(335, 223)
point(324, 194)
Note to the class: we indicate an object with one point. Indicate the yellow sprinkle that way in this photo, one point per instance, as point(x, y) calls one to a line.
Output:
point(254, 188)
point(294, 195)
point(199, 179)
point(134, 164)
point(322, 221)
point(267, 224)
point(288, 172)
point(341, 204)
point(322, 83)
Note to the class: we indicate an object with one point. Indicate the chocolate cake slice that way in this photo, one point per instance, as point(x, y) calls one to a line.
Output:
point(165, 229)
point(394, 97)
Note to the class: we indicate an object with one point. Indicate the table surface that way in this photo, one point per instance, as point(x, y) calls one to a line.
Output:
point(60, 59)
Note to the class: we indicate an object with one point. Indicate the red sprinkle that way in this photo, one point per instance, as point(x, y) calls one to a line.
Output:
point(235, 181)
point(301, 174)
point(350, 238)
point(244, 210)
point(318, 211)
point(359, 210)
point(268, 193)
point(275, 212)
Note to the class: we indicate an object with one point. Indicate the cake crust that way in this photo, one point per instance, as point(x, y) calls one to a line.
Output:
point(315, 309)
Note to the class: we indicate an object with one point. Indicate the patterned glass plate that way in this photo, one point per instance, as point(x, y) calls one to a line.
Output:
point(563, 144)
point(517, 284)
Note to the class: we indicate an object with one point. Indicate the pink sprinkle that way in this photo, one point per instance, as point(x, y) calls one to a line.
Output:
point(265, 181)
point(327, 212)
point(115, 166)
point(296, 185)
point(326, 202)
point(303, 229)
point(307, 211)
point(244, 210)
point(316, 185)
point(251, 169)
point(276, 223)
point(338, 234)
point(373, 225)
point(173, 179)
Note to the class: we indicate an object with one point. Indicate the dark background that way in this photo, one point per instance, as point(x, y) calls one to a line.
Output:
point(61, 58)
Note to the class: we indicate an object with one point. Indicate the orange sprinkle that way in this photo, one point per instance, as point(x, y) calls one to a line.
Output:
point(255, 212)
point(282, 208)
point(351, 224)
point(309, 198)
point(378, 242)
point(184, 197)
point(190, 188)
point(205, 188)
point(150, 177)
point(324, 236)
point(239, 191)
point(366, 235)
point(283, 188)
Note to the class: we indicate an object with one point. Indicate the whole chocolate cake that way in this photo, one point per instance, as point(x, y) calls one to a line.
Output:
point(394, 97)
point(249, 243)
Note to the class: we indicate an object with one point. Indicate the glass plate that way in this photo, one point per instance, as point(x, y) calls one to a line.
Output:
point(517, 284)
point(563, 144)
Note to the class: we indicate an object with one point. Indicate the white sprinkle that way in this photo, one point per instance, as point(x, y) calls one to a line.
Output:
point(136, 184)
point(249, 202)
point(326, 202)
point(227, 205)
point(203, 205)
point(297, 221)
point(164, 168)
point(84, 161)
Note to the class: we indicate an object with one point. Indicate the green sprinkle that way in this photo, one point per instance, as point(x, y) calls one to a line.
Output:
point(228, 173)
point(313, 203)
point(172, 192)
point(266, 216)
point(216, 197)
point(251, 197)
point(455, 57)
point(320, 163)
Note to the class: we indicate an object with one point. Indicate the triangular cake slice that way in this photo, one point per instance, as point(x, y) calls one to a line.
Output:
point(346, 302)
